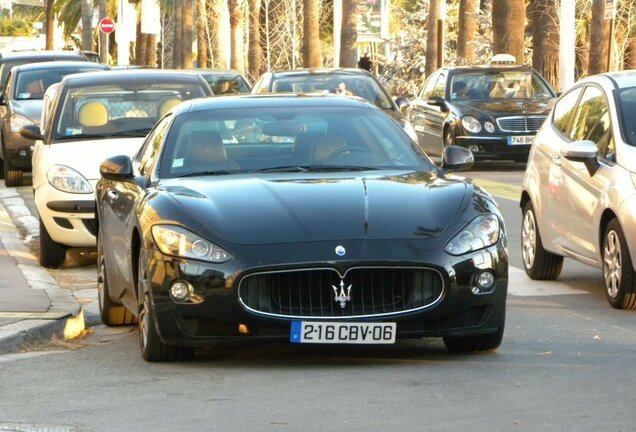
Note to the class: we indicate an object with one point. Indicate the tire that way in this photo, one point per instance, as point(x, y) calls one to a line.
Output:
point(111, 313)
point(618, 271)
point(538, 263)
point(466, 344)
point(12, 177)
point(52, 253)
point(152, 348)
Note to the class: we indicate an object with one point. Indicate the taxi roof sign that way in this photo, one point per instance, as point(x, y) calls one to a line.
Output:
point(503, 59)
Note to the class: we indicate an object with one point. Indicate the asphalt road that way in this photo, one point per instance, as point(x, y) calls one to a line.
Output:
point(566, 364)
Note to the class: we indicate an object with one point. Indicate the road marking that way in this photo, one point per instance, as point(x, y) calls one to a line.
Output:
point(520, 285)
point(503, 190)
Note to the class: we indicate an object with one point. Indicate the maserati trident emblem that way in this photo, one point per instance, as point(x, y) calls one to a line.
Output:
point(340, 250)
point(342, 297)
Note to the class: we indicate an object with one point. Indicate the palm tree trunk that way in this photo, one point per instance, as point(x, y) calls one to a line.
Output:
point(150, 58)
point(434, 14)
point(255, 50)
point(219, 27)
point(103, 49)
point(202, 39)
point(545, 39)
point(599, 39)
point(87, 25)
point(630, 54)
point(348, 35)
point(187, 34)
point(311, 34)
point(177, 38)
point(50, 21)
point(467, 29)
point(140, 46)
point(508, 27)
point(237, 61)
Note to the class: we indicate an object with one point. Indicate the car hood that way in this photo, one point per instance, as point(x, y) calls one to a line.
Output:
point(86, 156)
point(252, 210)
point(31, 109)
point(498, 108)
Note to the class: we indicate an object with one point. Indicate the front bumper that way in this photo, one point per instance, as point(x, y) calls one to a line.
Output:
point(18, 151)
point(215, 311)
point(494, 147)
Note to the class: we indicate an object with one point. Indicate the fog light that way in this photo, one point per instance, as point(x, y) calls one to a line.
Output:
point(181, 290)
point(23, 153)
point(243, 329)
point(484, 282)
point(473, 148)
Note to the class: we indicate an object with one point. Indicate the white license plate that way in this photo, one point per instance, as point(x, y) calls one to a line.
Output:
point(521, 140)
point(342, 333)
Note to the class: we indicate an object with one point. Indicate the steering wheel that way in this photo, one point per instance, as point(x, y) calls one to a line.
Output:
point(347, 150)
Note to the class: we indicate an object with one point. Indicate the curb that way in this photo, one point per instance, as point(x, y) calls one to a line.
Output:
point(65, 317)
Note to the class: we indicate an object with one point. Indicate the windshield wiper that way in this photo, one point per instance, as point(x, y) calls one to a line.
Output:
point(313, 168)
point(285, 168)
point(132, 133)
point(207, 173)
point(81, 136)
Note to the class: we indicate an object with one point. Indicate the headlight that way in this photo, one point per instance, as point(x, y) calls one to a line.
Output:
point(489, 127)
point(18, 121)
point(471, 124)
point(409, 129)
point(68, 180)
point(481, 232)
point(176, 241)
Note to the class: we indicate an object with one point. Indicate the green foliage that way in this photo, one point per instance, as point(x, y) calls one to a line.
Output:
point(15, 27)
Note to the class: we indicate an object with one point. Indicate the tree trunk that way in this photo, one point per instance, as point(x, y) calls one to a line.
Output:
point(220, 31)
point(202, 38)
point(630, 54)
point(434, 14)
point(348, 35)
point(508, 27)
point(150, 57)
point(467, 29)
point(187, 34)
point(599, 39)
point(50, 24)
point(255, 50)
point(544, 17)
point(237, 61)
point(87, 25)
point(103, 49)
point(177, 38)
point(311, 34)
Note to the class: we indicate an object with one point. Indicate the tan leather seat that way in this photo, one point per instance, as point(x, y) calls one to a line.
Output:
point(206, 152)
point(93, 117)
point(167, 105)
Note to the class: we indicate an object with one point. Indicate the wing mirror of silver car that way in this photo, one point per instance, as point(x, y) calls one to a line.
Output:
point(456, 158)
point(117, 168)
point(582, 151)
point(31, 132)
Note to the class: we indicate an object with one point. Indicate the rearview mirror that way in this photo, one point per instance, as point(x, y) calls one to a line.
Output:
point(117, 168)
point(31, 132)
point(456, 158)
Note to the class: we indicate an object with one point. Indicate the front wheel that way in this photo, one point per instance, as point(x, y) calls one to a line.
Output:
point(618, 271)
point(52, 253)
point(538, 263)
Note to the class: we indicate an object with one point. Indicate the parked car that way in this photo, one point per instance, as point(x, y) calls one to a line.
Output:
point(579, 193)
point(348, 82)
point(10, 59)
point(92, 116)
point(225, 81)
point(327, 227)
point(21, 104)
point(494, 110)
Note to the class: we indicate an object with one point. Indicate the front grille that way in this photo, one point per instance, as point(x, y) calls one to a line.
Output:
point(520, 123)
point(310, 292)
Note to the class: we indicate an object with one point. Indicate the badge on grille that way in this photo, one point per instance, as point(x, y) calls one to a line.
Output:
point(340, 250)
point(342, 297)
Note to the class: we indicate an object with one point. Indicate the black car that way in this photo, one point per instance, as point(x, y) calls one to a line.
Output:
point(346, 82)
point(8, 60)
point(21, 105)
point(225, 81)
point(494, 111)
point(325, 226)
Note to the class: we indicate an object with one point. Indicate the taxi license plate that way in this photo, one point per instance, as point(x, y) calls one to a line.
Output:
point(521, 140)
point(342, 333)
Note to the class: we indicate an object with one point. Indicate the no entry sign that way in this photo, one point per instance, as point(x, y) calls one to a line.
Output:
point(106, 25)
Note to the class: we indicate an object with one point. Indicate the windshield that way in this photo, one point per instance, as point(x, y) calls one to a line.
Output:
point(627, 106)
point(351, 85)
point(284, 140)
point(497, 85)
point(33, 83)
point(117, 110)
point(223, 84)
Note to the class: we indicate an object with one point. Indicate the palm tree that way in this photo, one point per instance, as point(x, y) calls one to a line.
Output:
point(255, 50)
point(508, 26)
point(103, 53)
point(187, 33)
point(434, 14)
point(545, 39)
point(348, 35)
point(467, 29)
point(86, 9)
point(237, 60)
point(50, 18)
point(599, 39)
point(311, 36)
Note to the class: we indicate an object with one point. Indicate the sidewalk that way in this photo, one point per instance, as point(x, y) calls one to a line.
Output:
point(32, 305)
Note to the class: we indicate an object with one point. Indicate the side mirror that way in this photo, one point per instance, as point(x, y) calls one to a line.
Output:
point(402, 103)
point(2, 102)
point(31, 132)
point(582, 151)
point(437, 101)
point(118, 168)
point(456, 158)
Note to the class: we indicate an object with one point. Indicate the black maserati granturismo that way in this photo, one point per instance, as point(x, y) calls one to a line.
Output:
point(306, 218)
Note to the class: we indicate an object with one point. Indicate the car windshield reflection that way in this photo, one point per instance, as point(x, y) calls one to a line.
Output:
point(499, 85)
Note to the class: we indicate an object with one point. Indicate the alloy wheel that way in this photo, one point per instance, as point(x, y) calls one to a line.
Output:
point(612, 269)
point(144, 308)
point(528, 239)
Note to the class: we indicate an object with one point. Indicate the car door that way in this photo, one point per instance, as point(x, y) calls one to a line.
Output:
point(417, 114)
point(585, 189)
point(434, 117)
point(5, 112)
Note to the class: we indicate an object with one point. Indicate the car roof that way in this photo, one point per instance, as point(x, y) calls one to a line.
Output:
point(20, 55)
point(287, 100)
point(218, 71)
point(131, 76)
point(59, 64)
point(620, 79)
point(335, 71)
point(485, 68)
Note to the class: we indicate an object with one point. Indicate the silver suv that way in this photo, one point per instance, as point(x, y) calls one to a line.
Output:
point(579, 190)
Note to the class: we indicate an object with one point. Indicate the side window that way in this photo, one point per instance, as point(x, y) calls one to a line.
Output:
point(427, 90)
point(146, 157)
point(592, 122)
point(564, 110)
point(440, 87)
